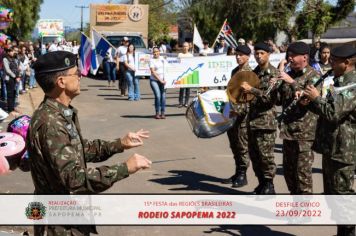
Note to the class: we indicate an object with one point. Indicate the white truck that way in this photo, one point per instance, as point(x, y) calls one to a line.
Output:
point(50, 30)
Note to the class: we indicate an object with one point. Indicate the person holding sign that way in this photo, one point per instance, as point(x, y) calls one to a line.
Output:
point(184, 91)
point(157, 83)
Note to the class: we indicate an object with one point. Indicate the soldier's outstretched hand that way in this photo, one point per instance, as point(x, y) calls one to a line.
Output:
point(132, 140)
point(137, 162)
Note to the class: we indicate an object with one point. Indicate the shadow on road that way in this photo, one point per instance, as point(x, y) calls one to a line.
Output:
point(245, 230)
point(280, 170)
point(151, 116)
point(196, 181)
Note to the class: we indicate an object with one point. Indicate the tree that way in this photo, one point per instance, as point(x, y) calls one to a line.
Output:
point(161, 15)
point(252, 19)
point(318, 15)
point(261, 19)
point(26, 14)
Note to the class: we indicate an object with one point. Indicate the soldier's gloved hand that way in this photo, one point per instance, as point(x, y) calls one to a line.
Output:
point(137, 162)
point(132, 140)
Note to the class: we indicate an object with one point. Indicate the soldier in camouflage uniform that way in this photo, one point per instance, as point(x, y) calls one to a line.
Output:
point(261, 122)
point(238, 133)
point(58, 152)
point(336, 128)
point(298, 125)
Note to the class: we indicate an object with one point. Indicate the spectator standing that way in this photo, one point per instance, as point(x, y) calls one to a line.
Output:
point(133, 81)
point(157, 83)
point(222, 47)
point(31, 56)
point(12, 76)
point(205, 50)
point(24, 68)
point(2, 80)
point(75, 48)
point(120, 57)
point(110, 66)
point(184, 91)
point(53, 47)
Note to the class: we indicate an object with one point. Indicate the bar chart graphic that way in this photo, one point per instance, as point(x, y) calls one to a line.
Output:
point(189, 77)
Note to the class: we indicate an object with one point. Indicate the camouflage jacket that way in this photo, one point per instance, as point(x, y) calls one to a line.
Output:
point(299, 124)
point(58, 153)
point(336, 128)
point(241, 109)
point(262, 113)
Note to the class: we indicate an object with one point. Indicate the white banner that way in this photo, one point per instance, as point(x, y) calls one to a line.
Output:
point(142, 61)
point(178, 209)
point(210, 71)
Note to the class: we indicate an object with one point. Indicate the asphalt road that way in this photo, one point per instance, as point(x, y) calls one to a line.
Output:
point(188, 165)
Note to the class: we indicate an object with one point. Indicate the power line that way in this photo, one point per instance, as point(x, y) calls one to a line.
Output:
point(81, 15)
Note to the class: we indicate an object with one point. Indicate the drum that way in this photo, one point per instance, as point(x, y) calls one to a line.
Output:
point(209, 114)
point(20, 126)
point(12, 148)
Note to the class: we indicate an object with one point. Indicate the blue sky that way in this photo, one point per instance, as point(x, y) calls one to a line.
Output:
point(66, 10)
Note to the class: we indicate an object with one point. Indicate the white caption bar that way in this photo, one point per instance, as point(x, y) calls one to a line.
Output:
point(177, 209)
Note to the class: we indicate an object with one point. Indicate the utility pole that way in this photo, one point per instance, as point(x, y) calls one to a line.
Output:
point(81, 16)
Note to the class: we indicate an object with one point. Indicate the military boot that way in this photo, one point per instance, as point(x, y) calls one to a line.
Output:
point(268, 187)
point(345, 230)
point(229, 180)
point(260, 185)
point(241, 179)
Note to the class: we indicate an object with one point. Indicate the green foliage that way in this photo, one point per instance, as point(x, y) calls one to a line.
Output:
point(26, 14)
point(249, 19)
point(318, 15)
point(161, 16)
point(261, 19)
point(73, 36)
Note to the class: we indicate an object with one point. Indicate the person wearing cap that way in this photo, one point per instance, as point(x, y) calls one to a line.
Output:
point(238, 133)
point(262, 122)
point(57, 151)
point(241, 41)
point(120, 57)
point(336, 127)
point(221, 47)
point(297, 128)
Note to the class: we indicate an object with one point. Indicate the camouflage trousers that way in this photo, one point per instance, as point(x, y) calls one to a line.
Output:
point(338, 177)
point(261, 151)
point(238, 140)
point(298, 159)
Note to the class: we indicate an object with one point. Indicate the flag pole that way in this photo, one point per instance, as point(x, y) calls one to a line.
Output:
point(218, 34)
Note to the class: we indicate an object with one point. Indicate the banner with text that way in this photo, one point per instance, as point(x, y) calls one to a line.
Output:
point(178, 209)
point(210, 71)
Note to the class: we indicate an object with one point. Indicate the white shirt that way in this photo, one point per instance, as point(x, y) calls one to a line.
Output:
point(52, 48)
point(110, 55)
point(182, 55)
point(205, 51)
point(157, 64)
point(129, 59)
point(121, 51)
point(163, 48)
point(75, 49)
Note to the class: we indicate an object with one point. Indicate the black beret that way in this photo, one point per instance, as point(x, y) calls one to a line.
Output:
point(299, 48)
point(55, 61)
point(244, 49)
point(262, 46)
point(344, 51)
